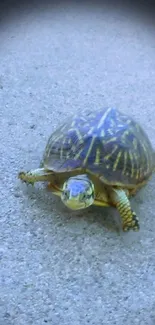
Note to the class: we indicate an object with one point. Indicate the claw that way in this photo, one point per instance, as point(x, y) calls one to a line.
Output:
point(21, 176)
point(27, 183)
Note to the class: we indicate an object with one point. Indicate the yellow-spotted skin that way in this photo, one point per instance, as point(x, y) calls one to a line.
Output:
point(128, 216)
point(109, 148)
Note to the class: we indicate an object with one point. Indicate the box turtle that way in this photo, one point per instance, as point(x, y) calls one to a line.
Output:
point(99, 158)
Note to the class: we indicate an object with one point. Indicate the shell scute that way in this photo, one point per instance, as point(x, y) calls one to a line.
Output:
point(106, 143)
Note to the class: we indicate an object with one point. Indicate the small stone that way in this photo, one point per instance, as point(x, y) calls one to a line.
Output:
point(33, 126)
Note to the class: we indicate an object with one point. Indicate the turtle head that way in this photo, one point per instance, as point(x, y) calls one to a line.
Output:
point(78, 192)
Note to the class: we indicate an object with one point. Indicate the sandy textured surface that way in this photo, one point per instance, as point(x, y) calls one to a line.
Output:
point(58, 267)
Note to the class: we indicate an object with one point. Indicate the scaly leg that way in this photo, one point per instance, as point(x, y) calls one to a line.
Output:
point(122, 203)
point(35, 175)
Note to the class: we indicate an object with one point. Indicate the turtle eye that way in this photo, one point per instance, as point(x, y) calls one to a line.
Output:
point(85, 196)
point(66, 195)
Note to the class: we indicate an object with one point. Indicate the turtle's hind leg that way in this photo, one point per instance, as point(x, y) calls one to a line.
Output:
point(35, 175)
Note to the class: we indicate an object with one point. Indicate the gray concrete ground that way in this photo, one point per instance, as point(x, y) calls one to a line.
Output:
point(59, 267)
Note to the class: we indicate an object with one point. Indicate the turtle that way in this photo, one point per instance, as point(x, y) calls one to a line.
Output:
point(100, 158)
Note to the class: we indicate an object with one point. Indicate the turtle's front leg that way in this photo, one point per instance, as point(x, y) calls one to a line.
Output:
point(122, 203)
point(35, 175)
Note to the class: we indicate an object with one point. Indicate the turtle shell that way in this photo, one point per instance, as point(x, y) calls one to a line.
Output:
point(106, 143)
